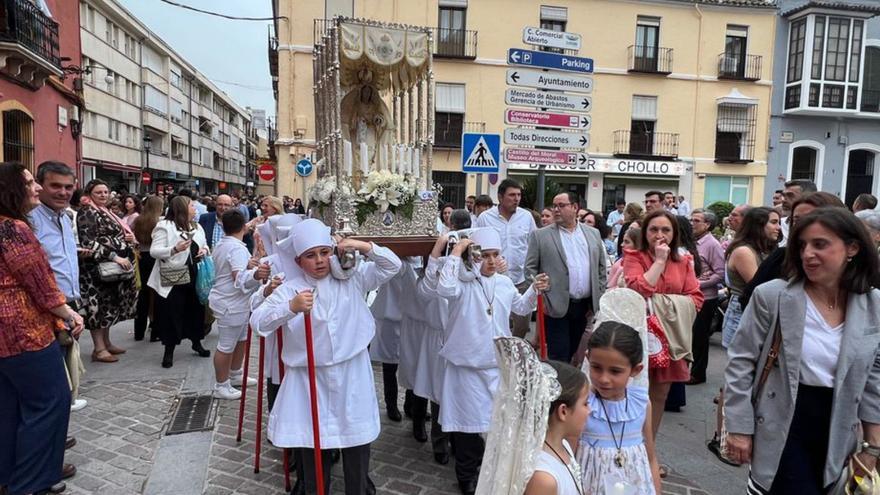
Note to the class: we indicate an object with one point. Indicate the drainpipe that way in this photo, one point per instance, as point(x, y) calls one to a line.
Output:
point(697, 101)
point(189, 137)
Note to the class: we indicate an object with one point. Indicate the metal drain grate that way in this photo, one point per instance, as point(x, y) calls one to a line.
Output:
point(193, 413)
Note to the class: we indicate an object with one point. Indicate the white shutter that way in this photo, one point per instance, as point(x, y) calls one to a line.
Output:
point(644, 20)
point(644, 108)
point(450, 98)
point(457, 4)
point(738, 31)
point(554, 13)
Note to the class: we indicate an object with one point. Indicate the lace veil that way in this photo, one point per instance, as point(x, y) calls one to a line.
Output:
point(519, 418)
point(628, 307)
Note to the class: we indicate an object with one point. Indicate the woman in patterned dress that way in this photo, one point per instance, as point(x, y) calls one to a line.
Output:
point(109, 239)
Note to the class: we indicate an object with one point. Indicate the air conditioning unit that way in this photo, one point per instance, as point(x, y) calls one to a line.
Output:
point(74, 113)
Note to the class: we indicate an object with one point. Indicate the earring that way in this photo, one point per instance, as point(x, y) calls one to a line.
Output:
point(849, 259)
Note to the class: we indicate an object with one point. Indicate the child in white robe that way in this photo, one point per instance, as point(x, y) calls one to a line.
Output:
point(480, 305)
point(342, 329)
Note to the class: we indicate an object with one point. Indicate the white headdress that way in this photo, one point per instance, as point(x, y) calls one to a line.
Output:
point(487, 238)
point(519, 418)
point(276, 228)
point(310, 234)
point(628, 307)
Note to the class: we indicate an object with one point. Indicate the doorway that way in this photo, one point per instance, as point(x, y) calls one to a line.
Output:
point(859, 175)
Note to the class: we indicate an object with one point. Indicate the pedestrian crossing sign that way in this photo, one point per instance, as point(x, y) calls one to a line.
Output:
point(480, 153)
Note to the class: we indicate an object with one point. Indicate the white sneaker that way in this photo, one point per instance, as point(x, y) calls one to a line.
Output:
point(78, 404)
point(235, 380)
point(225, 391)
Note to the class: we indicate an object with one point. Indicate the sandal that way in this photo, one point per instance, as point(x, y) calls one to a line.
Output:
point(664, 471)
point(112, 349)
point(103, 356)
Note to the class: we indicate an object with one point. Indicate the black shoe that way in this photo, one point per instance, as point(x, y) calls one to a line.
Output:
point(371, 487)
point(419, 432)
point(393, 413)
point(407, 403)
point(168, 358)
point(154, 337)
point(299, 488)
point(139, 335)
point(441, 458)
point(68, 471)
point(201, 351)
point(467, 487)
point(69, 442)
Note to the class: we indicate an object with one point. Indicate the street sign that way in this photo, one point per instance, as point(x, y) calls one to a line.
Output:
point(547, 119)
point(544, 157)
point(146, 178)
point(544, 99)
point(480, 153)
point(549, 60)
point(304, 167)
point(553, 39)
point(266, 172)
point(546, 80)
point(541, 137)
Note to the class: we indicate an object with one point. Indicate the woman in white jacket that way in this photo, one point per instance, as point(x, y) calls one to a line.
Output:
point(178, 245)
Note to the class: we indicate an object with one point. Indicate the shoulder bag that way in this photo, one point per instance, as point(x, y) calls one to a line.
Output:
point(110, 271)
point(170, 276)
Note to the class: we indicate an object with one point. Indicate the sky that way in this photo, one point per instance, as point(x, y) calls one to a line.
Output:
point(226, 51)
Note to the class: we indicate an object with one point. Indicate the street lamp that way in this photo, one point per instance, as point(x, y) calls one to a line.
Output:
point(148, 143)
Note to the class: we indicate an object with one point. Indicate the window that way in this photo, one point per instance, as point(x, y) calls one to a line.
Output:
point(152, 60)
point(871, 85)
point(735, 132)
point(553, 19)
point(205, 157)
point(18, 138)
point(453, 184)
point(177, 149)
point(176, 111)
point(450, 31)
point(735, 45)
point(797, 35)
point(176, 78)
point(155, 100)
point(131, 93)
point(134, 137)
point(110, 81)
point(818, 48)
point(647, 44)
point(803, 163)
point(113, 130)
point(644, 119)
point(838, 37)
point(449, 115)
point(725, 188)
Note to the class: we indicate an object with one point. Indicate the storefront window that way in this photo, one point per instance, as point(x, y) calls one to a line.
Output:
point(725, 188)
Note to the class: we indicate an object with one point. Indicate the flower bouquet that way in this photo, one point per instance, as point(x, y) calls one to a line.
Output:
point(385, 191)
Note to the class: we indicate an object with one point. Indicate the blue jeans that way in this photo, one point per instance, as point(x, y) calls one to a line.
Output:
point(34, 414)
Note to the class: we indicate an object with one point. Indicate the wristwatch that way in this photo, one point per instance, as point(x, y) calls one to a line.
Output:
point(871, 449)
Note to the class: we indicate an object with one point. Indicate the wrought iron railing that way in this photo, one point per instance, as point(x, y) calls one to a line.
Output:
point(448, 131)
point(651, 59)
point(455, 43)
point(742, 67)
point(653, 144)
point(24, 23)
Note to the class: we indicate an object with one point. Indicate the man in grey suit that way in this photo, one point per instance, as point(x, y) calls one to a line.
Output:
point(573, 255)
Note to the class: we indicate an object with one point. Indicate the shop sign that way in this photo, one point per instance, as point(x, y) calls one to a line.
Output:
point(612, 166)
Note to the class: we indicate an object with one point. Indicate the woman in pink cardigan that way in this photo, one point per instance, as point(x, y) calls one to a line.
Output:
point(659, 267)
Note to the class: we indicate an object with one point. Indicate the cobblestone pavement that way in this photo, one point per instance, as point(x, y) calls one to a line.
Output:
point(130, 404)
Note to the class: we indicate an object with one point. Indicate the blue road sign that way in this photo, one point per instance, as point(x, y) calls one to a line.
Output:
point(548, 60)
point(480, 153)
point(304, 167)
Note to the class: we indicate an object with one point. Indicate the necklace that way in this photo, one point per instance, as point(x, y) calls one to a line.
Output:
point(830, 305)
point(567, 468)
point(489, 302)
point(618, 458)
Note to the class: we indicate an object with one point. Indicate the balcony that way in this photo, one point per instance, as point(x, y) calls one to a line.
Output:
point(448, 129)
point(455, 43)
point(662, 145)
point(739, 68)
point(29, 50)
point(649, 59)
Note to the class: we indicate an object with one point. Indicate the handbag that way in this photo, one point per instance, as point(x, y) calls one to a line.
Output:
point(848, 484)
point(657, 343)
point(204, 279)
point(170, 276)
point(110, 271)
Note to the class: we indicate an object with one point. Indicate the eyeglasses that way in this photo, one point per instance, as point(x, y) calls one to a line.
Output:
point(559, 206)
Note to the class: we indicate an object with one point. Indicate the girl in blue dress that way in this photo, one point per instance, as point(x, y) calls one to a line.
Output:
point(616, 451)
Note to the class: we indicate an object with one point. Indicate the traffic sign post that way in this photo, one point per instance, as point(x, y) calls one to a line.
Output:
point(545, 119)
point(549, 60)
point(549, 100)
point(541, 137)
point(480, 153)
point(544, 157)
point(304, 167)
point(532, 78)
point(266, 172)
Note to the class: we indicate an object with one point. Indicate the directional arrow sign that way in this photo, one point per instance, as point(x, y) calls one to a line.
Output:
point(547, 80)
point(548, 60)
point(543, 99)
point(544, 157)
point(541, 137)
point(546, 119)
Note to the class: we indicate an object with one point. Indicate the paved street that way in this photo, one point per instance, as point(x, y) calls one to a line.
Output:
point(122, 448)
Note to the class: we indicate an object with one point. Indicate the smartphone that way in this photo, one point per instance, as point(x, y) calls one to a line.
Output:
point(186, 236)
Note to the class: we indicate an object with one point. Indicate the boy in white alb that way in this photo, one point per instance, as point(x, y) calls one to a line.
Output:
point(480, 305)
point(342, 328)
point(229, 300)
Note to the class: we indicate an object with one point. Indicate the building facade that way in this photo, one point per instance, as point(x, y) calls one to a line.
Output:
point(39, 108)
point(680, 103)
point(825, 124)
point(151, 119)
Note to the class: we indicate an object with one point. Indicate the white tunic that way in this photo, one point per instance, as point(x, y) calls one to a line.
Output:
point(271, 365)
point(342, 328)
point(428, 378)
point(411, 329)
point(471, 375)
point(386, 312)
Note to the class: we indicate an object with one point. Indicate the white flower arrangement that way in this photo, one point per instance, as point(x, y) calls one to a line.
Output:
point(324, 190)
point(386, 189)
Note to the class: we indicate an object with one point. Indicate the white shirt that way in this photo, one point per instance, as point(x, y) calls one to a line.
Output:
point(820, 349)
point(577, 255)
point(230, 297)
point(684, 208)
point(613, 217)
point(784, 227)
point(514, 238)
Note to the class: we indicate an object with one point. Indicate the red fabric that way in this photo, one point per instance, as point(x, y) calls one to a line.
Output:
point(677, 278)
point(658, 351)
point(27, 291)
point(676, 372)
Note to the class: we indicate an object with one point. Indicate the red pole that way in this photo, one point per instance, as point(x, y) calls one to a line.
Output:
point(259, 408)
point(542, 336)
point(286, 452)
point(241, 402)
point(313, 392)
